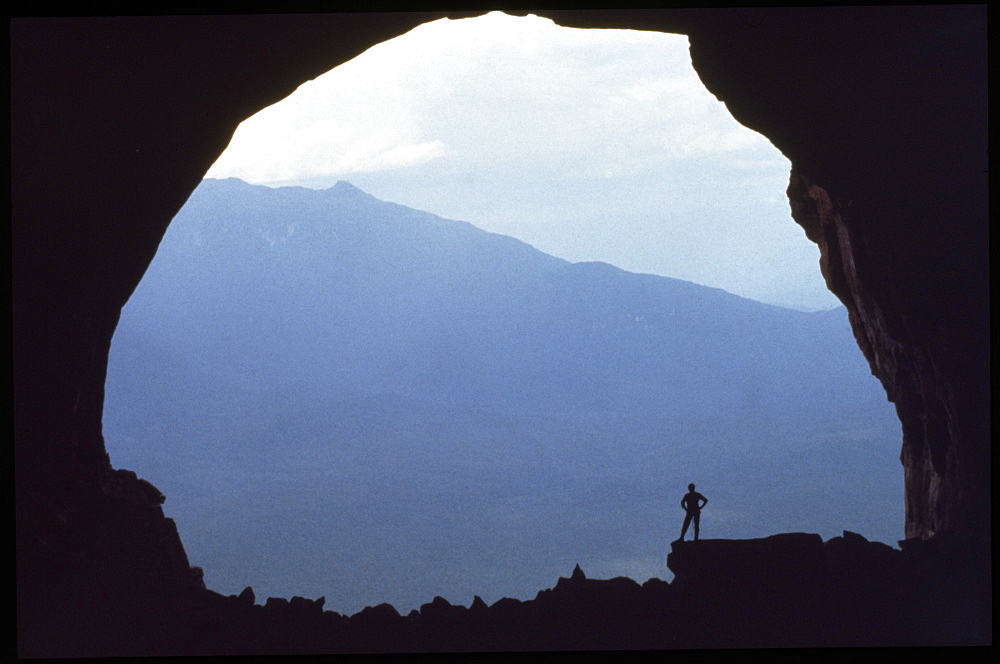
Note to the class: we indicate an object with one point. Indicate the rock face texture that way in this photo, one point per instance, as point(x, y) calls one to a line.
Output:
point(882, 112)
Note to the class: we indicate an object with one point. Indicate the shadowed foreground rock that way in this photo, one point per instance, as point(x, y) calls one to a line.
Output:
point(788, 590)
point(794, 590)
point(883, 112)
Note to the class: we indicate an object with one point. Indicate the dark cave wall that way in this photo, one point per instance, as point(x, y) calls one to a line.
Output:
point(113, 123)
point(882, 112)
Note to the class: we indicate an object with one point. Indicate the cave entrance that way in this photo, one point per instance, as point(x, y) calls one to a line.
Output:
point(425, 461)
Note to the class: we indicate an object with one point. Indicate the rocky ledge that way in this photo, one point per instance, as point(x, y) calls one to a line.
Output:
point(787, 590)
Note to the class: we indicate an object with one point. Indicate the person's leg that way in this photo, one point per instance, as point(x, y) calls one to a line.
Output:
point(687, 522)
point(697, 523)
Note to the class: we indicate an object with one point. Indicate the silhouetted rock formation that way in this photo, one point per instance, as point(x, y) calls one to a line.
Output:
point(882, 111)
point(785, 590)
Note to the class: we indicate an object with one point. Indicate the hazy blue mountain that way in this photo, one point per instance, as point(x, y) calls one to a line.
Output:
point(346, 397)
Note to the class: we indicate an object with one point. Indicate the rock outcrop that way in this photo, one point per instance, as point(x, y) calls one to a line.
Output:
point(788, 590)
point(882, 112)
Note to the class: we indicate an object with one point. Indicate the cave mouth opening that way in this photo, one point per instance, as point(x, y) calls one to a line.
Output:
point(364, 520)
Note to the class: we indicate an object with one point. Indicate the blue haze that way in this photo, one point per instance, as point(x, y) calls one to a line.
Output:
point(345, 397)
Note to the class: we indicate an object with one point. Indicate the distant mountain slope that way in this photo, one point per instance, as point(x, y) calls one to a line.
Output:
point(291, 352)
point(342, 289)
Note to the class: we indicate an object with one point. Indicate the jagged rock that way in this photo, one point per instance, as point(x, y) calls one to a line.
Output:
point(575, 579)
point(379, 613)
point(154, 494)
point(247, 597)
point(197, 577)
point(302, 605)
point(440, 608)
point(655, 584)
point(505, 604)
point(854, 537)
point(854, 551)
point(278, 603)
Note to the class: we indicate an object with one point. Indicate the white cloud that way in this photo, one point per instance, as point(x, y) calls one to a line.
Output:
point(527, 128)
point(734, 140)
point(402, 156)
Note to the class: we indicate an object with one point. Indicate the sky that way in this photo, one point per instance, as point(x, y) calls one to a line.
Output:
point(590, 145)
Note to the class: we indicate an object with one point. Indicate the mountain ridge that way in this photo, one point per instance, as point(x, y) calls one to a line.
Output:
point(345, 190)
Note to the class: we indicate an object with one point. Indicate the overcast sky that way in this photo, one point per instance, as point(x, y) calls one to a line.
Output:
point(587, 144)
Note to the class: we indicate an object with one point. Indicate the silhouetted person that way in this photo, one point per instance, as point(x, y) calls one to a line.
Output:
point(692, 502)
